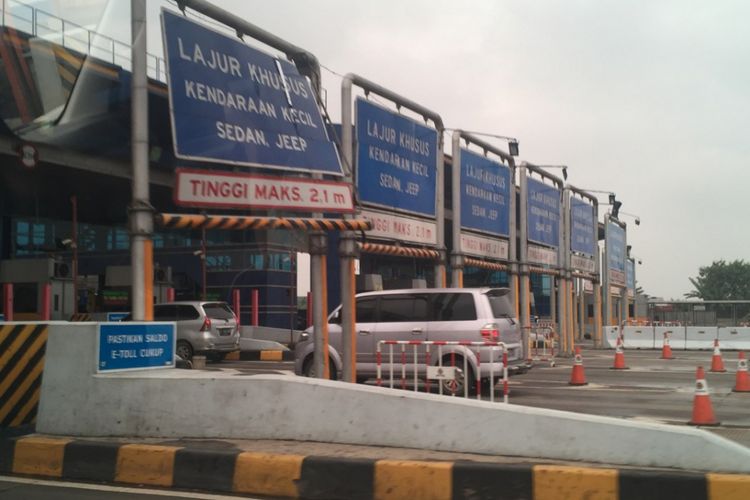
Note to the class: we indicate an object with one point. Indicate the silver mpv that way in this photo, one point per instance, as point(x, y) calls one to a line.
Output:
point(435, 314)
point(208, 328)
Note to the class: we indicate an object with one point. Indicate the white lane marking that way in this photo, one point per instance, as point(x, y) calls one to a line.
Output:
point(118, 489)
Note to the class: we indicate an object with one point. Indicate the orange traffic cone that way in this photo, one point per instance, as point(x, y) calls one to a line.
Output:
point(666, 349)
point(619, 357)
point(703, 412)
point(717, 364)
point(577, 376)
point(742, 381)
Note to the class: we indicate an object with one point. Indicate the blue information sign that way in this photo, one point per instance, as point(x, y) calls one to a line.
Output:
point(117, 316)
point(485, 194)
point(396, 160)
point(543, 213)
point(631, 274)
point(231, 103)
point(582, 227)
point(616, 252)
point(135, 346)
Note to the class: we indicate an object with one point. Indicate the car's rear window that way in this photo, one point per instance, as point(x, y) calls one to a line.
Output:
point(218, 310)
point(454, 307)
point(500, 304)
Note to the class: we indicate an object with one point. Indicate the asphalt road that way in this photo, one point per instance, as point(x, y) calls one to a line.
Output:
point(18, 488)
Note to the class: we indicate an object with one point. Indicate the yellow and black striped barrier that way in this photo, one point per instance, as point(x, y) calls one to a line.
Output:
point(483, 264)
point(380, 248)
point(544, 270)
point(80, 318)
point(310, 476)
point(186, 221)
point(22, 349)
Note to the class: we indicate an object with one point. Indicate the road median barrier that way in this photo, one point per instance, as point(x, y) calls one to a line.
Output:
point(223, 470)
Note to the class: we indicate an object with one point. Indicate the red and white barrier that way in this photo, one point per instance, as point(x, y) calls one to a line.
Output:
point(422, 364)
point(542, 343)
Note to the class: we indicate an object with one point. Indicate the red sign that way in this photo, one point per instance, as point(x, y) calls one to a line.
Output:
point(202, 188)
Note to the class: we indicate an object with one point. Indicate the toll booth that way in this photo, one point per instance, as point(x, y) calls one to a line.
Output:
point(28, 277)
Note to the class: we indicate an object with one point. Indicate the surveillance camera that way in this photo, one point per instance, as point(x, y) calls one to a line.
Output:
point(637, 221)
point(198, 252)
point(640, 262)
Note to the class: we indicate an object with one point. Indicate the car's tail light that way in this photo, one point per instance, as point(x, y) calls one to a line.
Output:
point(206, 325)
point(490, 332)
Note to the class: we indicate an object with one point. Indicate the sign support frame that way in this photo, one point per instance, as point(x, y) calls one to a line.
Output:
point(348, 313)
point(458, 257)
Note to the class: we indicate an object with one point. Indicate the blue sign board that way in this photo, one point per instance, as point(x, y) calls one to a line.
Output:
point(117, 316)
point(543, 213)
point(231, 103)
point(485, 194)
point(631, 274)
point(2, 317)
point(135, 346)
point(616, 251)
point(396, 160)
point(582, 227)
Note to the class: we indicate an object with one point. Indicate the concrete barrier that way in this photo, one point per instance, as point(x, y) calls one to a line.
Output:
point(700, 337)
point(734, 337)
point(610, 334)
point(676, 336)
point(75, 401)
point(232, 470)
point(638, 337)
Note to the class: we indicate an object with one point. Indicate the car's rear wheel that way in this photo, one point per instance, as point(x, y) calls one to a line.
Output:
point(184, 350)
point(308, 369)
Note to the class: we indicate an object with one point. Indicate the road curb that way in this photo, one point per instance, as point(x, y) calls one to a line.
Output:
point(318, 477)
point(265, 355)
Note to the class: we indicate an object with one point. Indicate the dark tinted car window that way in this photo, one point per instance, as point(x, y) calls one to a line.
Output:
point(366, 310)
point(166, 312)
point(500, 304)
point(405, 307)
point(218, 310)
point(455, 307)
point(185, 312)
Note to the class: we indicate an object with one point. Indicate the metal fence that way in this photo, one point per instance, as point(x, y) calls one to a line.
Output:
point(700, 313)
point(418, 364)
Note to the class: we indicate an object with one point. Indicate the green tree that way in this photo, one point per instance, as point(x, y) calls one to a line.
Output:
point(722, 281)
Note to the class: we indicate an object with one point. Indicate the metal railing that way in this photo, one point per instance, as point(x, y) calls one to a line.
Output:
point(422, 365)
point(42, 24)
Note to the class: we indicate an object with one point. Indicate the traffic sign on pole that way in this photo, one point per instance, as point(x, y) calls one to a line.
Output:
point(231, 103)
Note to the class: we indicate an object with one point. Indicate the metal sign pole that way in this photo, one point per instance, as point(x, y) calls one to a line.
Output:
point(457, 257)
point(562, 290)
point(140, 210)
point(349, 249)
point(523, 260)
point(318, 250)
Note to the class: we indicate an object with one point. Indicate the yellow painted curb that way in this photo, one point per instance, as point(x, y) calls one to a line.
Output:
point(271, 355)
point(413, 480)
point(551, 482)
point(39, 456)
point(267, 474)
point(145, 464)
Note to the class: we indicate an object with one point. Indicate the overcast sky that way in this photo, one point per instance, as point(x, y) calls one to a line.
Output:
point(649, 99)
